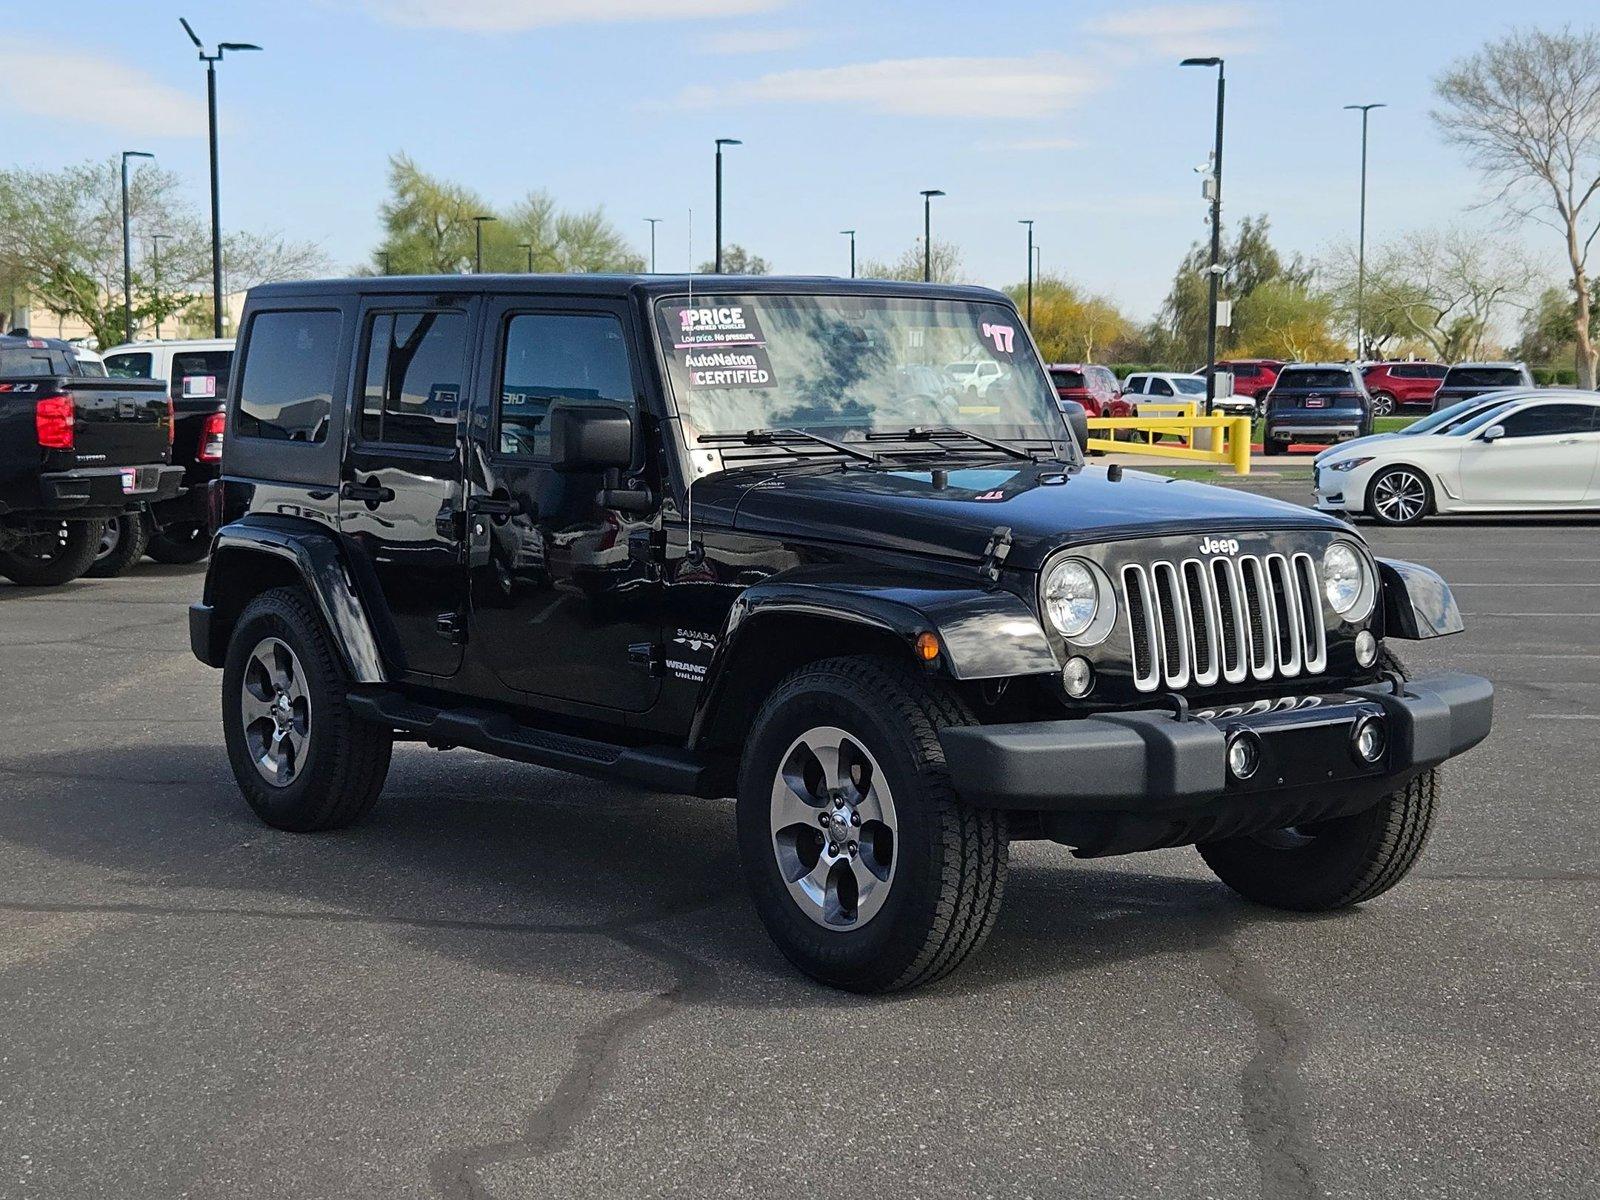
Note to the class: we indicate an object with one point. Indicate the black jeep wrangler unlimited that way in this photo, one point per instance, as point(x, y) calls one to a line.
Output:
point(705, 535)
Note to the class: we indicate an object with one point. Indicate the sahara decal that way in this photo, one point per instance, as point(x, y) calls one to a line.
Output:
point(689, 654)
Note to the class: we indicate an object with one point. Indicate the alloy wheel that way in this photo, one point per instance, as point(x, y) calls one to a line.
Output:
point(110, 538)
point(276, 711)
point(1382, 404)
point(1400, 496)
point(834, 829)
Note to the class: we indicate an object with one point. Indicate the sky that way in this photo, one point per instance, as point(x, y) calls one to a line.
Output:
point(1076, 115)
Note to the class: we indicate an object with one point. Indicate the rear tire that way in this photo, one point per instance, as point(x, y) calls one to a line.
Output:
point(57, 553)
point(123, 539)
point(1332, 864)
point(922, 890)
point(303, 761)
point(1383, 404)
point(180, 544)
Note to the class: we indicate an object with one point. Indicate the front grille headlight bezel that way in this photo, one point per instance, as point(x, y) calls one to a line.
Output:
point(1086, 581)
point(1349, 583)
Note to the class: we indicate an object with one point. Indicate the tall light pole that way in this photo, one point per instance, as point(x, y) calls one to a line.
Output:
point(528, 246)
point(127, 248)
point(653, 221)
point(1029, 224)
point(155, 274)
point(477, 234)
point(211, 61)
point(927, 233)
point(1216, 233)
point(1361, 238)
point(721, 142)
point(1038, 261)
point(851, 234)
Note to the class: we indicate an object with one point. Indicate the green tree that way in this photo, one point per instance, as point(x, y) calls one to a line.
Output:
point(1527, 111)
point(736, 260)
point(61, 245)
point(1285, 318)
point(1249, 260)
point(945, 262)
point(429, 230)
point(1072, 326)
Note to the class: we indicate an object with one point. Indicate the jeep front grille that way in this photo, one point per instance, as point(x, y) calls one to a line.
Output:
point(1224, 620)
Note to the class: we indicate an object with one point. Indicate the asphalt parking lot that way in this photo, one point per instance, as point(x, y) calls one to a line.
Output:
point(511, 983)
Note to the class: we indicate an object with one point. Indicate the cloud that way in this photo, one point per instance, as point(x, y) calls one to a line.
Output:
point(516, 16)
point(1038, 85)
point(39, 80)
point(755, 41)
point(1183, 29)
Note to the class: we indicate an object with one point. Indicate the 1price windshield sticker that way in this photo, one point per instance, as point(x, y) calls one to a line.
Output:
point(199, 386)
point(717, 325)
point(730, 367)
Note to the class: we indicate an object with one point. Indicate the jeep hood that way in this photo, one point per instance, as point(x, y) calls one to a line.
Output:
point(1044, 506)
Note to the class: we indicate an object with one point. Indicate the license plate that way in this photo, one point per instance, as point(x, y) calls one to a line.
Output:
point(1316, 402)
point(138, 479)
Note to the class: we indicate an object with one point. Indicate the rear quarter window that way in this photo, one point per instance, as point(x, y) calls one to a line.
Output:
point(1067, 379)
point(288, 375)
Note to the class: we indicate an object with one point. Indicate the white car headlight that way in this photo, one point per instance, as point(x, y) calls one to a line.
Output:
point(1347, 581)
point(1349, 464)
point(1072, 597)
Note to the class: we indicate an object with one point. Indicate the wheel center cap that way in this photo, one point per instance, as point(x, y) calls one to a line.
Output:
point(840, 827)
point(282, 711)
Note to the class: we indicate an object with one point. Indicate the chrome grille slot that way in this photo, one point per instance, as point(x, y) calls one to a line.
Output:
point(1226, 619)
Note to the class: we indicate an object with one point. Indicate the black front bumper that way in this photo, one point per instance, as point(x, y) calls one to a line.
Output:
point(1152, 763)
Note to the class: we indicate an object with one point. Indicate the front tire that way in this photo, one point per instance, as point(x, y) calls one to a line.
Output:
point(1332, 864)
point(53, 553)
point(123, 539)
point(1399, 496)
point(302, 760)
point(866, 868)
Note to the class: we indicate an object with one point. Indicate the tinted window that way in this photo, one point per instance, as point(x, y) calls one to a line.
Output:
point(1316, 379)
point(1433, 371)
point(1160, 387)
point(1483, 377)
point(286, 391)
point(550, 357)
point(88, 366)
point(128, 366)
point(1067, 379)
point(1549, 419)
point(413, 378)
point(1243, 370)
point(1134, 386)
point(32, 360)
point(200, 374)
point(1190, 387)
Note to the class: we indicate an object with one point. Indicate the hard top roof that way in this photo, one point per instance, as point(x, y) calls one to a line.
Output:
point(10, 341)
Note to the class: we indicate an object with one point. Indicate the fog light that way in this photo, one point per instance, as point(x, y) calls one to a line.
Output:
point(1366, 648)
point(1369, 740)
point(1077, 677)
point(1244, 754)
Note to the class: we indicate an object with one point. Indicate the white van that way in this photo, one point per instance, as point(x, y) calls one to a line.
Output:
point(197, 369)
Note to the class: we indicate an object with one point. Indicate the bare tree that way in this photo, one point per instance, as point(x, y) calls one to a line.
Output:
point(1527, 109)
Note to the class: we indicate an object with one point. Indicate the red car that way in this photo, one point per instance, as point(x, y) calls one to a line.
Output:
point(1395, 384)
point(1252, 377)
point(1094, 387)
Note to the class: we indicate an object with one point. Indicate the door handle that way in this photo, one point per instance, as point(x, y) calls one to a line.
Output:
point(371, 492)
point(499, 507)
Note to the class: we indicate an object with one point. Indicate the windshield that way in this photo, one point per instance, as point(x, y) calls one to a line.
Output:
point(850, 366)
point(1487, 417)
point(1189, 387)
point(1445, 417)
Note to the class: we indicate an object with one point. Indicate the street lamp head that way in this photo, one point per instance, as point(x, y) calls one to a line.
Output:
point(729, 142)
point(932, 192)
point(1025, 221)
point(1363, 107)
point(1201, 62)
point(485, 218)
point(127, 154)
point(221, 46)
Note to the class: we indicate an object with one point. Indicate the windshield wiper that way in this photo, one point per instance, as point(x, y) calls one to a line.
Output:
point(785, 439)
point(936, 434)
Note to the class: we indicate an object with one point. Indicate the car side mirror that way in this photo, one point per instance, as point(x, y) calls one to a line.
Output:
point(590, 437)
point(1078, 421)
point(1494, 433)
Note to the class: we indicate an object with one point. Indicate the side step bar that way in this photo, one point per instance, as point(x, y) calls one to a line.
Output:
point(658, 768)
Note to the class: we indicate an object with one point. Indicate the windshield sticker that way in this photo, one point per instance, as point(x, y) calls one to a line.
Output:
point(746, 367)
point(718, 325)
point(200, 386)
point(1003, 336)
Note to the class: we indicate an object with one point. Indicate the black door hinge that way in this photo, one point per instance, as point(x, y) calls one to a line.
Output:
point(451, 625)
point(650, 656)
point(994, 554)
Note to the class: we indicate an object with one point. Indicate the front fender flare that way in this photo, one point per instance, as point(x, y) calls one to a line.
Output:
point(1417, 602)
point(314, 555)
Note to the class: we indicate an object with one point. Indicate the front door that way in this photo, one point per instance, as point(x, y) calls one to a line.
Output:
point(401, 497)
point(564, 606)
point(1547, 456)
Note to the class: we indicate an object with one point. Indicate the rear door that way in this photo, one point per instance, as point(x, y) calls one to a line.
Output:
point(1547, 457)
point(400, 498)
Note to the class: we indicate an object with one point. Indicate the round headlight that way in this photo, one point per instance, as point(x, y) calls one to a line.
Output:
point(1071, 597)
point(1346, 581)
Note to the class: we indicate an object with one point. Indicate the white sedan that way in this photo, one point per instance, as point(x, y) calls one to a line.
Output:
point(1535, 452)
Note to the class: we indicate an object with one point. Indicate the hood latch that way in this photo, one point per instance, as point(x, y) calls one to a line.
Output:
point(994, 554)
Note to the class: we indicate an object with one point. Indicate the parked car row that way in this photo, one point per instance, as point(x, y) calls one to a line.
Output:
point(106, 459)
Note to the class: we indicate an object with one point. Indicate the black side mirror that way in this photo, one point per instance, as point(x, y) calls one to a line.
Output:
point(1077, 421)
point(590, 437)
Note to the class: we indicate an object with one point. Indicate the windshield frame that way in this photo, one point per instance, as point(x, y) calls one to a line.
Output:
point(1060, 445)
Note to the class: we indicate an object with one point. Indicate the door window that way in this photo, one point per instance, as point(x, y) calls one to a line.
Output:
point(557, 356)
point(412, 392)
point(1134, 386)
point(1548, 420)
point(1160, 387)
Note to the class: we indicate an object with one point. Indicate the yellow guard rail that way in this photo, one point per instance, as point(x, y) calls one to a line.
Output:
point(1229, 438)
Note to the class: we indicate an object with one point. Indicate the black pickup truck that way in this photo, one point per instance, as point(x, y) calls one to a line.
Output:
point(699, 534)
point(75, 451)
